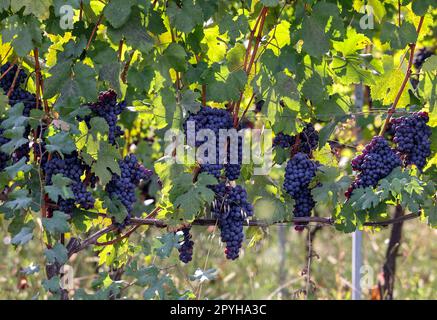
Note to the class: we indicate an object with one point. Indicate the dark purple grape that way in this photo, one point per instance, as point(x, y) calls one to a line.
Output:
point(299, 173)
point(421, 55)
point(375, 163)
point(186, 246)
point(283, 140)
point(231, 208)
point(122, 187)
point(213, 119)
point(6, 81)
point(109, 109)
point(72, 167)
point(412, 136)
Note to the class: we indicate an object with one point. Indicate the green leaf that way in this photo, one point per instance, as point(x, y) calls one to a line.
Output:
point(38, 8)
point(168, 242)
point(314, 37)
point(117, 11)
point(174, 55)
point(420, 7)
point(398, 37)
point(270, 3)
point(115, 209)
point(134, 32)
point(58, 223)
point(18, 199)
point(61, 142)
point(59, 188)
point(106, 163)
point(185, 18)
point(57, 254)
point(52, 284)
point(23, 237)
point(20, 166)
point(24, 34)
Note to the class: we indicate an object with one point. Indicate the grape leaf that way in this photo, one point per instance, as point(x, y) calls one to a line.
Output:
point(117, 11)
point(59, 188)
point(58, 223)
point(314, 37)
point(38, 8)
point(106, 163)
point(57, 254)
point(23, 237)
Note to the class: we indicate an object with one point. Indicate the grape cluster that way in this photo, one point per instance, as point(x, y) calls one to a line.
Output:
point(233, 170)
point(420, 56)
point(299, 172)
point(109, 109)
point(122, 187)
point(283, 140)
point(231, 208)
point(375, 163)
point(412, 136)
point(8, 79)
point(73, 168)
point(213, 119)
point(308, 139)
point(18, 95)
point(186, 246)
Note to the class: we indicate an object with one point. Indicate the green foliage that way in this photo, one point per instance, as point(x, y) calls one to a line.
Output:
point(308, 61)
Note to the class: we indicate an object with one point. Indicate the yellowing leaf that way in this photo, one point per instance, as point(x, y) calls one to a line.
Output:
point(387, 86)
point(216, 49)
point(354, 41)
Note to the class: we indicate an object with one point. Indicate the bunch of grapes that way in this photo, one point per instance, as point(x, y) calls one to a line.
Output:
point(122, 187)
point(420, 56)
point(18, 95)
point(231, 208)
point(213, 119)
point(186, 246)
point(8, 79)
point(233, 170)
point(283, 140)
point(73, 168)
point(375, 163)
point(308, 139)
point(109, 109)
point(412, 136)
point(299, 172)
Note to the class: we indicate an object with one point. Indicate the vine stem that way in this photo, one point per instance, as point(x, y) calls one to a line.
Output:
point(8, 69)
point(247, 67)
point(94, 31)
point(93, 239)
point(11, 89)
point(404, 82)
point(81, 11)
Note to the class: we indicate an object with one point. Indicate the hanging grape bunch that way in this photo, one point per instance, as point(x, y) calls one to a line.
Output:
point(299, 172)
point(109, 109)
point(18, 95)
point(186, 246)
point(412, 136)
point(308, 140)
point(72, 167)
point(123, 186)
point(231, 208)
point(213, 119)
point(375, 163)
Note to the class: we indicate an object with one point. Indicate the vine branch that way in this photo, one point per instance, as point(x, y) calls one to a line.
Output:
point(405, 81)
